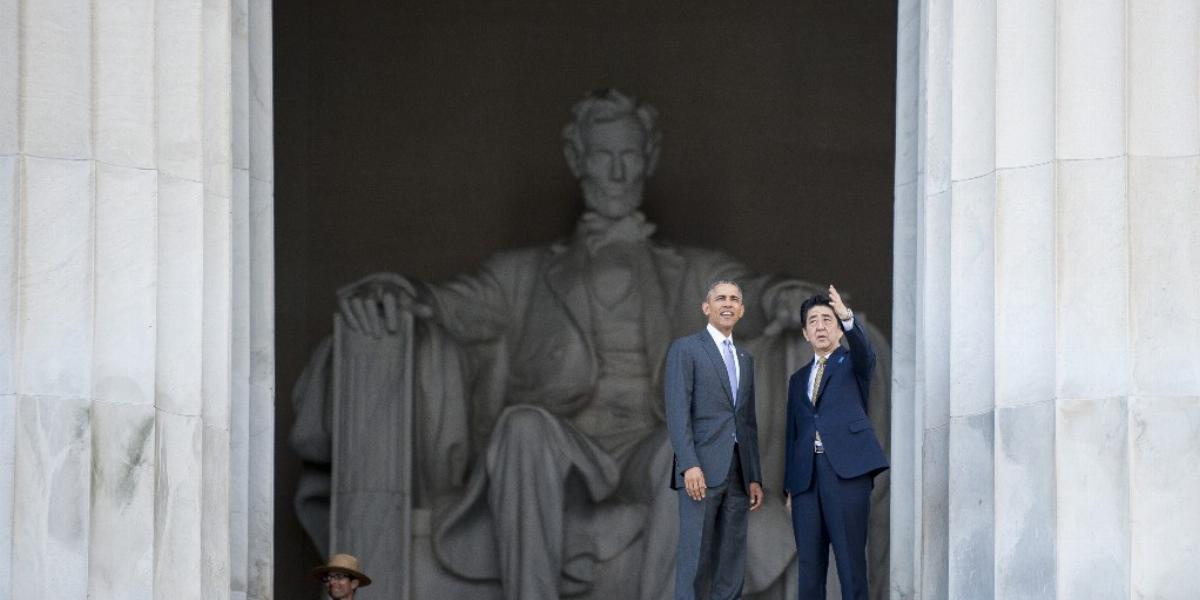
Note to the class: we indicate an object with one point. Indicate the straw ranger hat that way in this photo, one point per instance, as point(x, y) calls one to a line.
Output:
point(343, 563)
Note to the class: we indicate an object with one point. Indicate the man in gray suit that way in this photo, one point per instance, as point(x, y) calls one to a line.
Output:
point(714, 433)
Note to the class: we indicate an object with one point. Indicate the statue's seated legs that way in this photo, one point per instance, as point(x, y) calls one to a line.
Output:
point(528, 459)
point(645, 480)
point(561, 504)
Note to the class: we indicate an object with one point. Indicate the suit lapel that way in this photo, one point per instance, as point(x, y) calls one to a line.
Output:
point(718, 363)
point(805, 373)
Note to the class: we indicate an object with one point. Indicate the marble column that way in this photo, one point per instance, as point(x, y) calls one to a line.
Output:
point(136, 299)
point(1047, 300)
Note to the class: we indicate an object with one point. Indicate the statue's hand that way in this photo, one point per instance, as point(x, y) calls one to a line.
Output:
point(372, 304)
point(785, 314)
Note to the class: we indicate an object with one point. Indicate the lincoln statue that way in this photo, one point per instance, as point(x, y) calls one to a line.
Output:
point(539, 446)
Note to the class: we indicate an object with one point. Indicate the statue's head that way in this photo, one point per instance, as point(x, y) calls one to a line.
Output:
point(612, 147)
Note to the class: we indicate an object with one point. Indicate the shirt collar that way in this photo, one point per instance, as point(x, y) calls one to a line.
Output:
point(717, 336)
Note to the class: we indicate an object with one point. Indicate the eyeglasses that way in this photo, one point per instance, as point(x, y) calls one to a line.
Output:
point(326, 578)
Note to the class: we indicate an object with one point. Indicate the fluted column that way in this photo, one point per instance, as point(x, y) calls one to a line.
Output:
point(136, 328)
point(1047, 250)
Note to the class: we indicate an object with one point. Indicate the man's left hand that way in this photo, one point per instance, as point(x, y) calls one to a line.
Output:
point(756, 495)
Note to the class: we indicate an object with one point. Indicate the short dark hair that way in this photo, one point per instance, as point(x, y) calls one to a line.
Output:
point(815, 300)
point(712, 285)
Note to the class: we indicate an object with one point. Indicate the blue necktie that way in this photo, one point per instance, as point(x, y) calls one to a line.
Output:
point(731, 369)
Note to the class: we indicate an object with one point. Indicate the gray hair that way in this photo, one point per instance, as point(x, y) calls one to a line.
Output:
point(606, 105)
point(713, 286)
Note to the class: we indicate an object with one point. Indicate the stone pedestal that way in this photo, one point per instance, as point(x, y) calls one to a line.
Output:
point(372, 473)
point(1047, 303)
point(136, 303)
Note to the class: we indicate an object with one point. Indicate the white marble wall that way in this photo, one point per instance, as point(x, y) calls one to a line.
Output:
point(1047, 300)
point(136, 319)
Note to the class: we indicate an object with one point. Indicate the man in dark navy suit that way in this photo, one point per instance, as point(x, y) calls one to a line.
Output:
point(832, 452)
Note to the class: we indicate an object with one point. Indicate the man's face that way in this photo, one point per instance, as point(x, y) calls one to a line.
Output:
point(340, 586)
point(724, 307)
point(614, 167)
point(822, 330)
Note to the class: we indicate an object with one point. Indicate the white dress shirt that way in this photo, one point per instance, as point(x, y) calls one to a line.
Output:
point(719, 339)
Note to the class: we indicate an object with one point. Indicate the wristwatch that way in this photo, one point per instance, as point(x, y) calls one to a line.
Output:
point(849, 315)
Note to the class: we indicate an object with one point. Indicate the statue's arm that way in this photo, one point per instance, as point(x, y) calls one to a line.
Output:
point(479, 306)
point(471, 307)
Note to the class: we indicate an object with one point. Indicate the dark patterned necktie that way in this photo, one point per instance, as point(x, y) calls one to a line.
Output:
point(817, 379)
point(818, 446)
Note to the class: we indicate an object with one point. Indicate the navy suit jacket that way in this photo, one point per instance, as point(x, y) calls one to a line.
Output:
point(701, 414)
point(840, 413)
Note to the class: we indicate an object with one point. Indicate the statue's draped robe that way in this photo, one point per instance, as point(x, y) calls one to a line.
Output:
point(522, 332)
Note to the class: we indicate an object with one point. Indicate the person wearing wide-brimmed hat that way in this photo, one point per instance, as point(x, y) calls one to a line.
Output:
point(341, 576)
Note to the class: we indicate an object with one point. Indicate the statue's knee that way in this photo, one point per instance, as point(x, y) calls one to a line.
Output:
point(523, 436)
point(523, 424)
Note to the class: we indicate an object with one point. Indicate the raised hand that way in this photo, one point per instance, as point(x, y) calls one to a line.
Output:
point(839, 307)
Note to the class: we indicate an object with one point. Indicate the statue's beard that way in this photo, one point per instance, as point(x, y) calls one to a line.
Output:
point(616, 202)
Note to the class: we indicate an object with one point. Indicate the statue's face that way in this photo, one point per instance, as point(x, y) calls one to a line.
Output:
point(614, 167)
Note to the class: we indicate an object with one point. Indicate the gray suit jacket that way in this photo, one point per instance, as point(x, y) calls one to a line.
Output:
point(701, 414)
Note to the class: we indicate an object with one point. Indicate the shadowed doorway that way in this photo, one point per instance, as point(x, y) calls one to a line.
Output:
point(421, 138)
